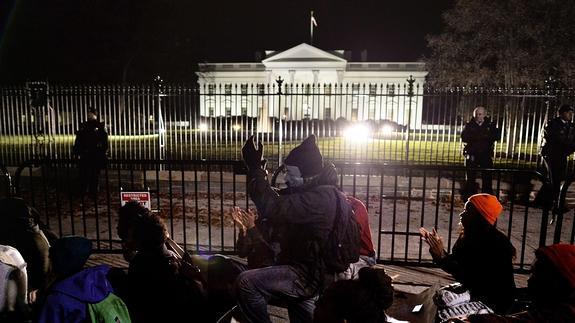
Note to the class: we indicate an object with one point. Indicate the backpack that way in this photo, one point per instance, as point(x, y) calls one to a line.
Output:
point(109, 310)
point(342, 246)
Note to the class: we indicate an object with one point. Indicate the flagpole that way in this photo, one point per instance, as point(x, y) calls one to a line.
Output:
point(311, 28)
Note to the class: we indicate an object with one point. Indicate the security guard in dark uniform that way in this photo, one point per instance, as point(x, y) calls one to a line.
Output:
point(479, 136)
point(91, 145)
point(558, 144)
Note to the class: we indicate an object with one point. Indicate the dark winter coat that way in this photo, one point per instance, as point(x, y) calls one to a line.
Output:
point(156, 292)
point(479, 139)
point(558, 139)
point(304, 215)
point(19, 230)
point(484, 265)
point(91, 142)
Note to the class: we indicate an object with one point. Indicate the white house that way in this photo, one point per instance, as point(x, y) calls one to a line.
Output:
point(317, 84)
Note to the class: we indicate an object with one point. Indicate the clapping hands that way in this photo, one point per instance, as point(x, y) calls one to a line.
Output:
point(435, 242)
point(246, 220)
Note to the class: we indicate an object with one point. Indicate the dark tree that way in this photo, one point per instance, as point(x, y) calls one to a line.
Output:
point(504, 42)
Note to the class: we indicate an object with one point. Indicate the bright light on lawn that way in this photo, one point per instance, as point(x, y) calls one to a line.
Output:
point(386, 130)
point(237, 127)
point(203, 127)
point(357, 132)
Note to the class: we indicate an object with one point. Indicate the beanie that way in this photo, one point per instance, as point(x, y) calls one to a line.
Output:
point(487, 205)
point(306, 157)
point(562, 257)
point(565, 108)
point(69, 254)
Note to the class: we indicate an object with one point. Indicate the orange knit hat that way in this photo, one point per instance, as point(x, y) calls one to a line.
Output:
point(487, 205)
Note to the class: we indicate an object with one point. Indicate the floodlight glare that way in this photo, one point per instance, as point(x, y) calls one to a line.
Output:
point(386, 130)
point(237, 127)
point(203, 127)
point(357, 132)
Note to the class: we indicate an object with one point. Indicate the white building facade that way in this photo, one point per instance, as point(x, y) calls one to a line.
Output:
point(316, 84)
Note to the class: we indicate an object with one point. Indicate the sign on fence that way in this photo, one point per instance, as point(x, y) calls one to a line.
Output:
point(143, 197)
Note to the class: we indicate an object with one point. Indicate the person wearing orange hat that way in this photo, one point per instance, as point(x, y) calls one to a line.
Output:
point(482, 256)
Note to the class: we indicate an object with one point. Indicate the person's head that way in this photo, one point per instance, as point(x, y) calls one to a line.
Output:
point(69, 254)
point(480, 208)
point(552, 277)
point(147, 232)
point(92, 114)
point(303, 162)
point(479, 114)
point(566, 112)
point(128, 216)
point(362, 300)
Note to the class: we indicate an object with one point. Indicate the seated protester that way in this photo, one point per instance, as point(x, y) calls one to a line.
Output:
point(482, 256)
point(551, 287)
point(13, 286)
point(304, 215)
point(366, 251)
point(19, 229)
point(356, 301)
point(252, 243)
point(76, 294)
point(157, 290)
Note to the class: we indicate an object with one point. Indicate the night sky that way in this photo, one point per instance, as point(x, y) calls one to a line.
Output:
point(116, 40)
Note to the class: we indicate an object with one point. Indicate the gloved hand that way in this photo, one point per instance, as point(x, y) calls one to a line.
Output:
point(252, 156)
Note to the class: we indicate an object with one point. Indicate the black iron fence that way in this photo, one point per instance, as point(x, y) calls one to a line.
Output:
point(195, 198)
point(404, 123)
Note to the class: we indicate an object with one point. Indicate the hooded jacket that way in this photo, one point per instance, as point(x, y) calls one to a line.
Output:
point(304, 214)
point(67, 299)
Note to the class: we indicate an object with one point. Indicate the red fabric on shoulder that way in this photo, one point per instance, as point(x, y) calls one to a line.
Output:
point(362, 218)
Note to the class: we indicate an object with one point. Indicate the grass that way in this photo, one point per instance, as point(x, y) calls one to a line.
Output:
point(423, 148)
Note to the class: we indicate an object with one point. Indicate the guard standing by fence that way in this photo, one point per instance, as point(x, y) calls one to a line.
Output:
point(558, 144)
point(479, 136)
point(91, 145)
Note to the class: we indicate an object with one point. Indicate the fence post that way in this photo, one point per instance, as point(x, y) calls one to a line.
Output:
point(159, 87)
point(279, 81)
point(410, 95)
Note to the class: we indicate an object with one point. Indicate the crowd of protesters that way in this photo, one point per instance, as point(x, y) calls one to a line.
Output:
point(285, 245)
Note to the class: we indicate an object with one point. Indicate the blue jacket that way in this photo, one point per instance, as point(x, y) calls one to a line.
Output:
point(67, 299)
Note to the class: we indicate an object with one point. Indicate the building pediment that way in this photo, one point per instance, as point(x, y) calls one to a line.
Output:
point(304, 56)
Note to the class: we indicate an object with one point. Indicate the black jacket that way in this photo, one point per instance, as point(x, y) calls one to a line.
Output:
point(479, 139)
point(304, 216)
point(91, 141)
point(558, 138)
point(484, 265)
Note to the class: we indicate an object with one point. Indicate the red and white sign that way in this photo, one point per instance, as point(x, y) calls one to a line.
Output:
point(142, 197)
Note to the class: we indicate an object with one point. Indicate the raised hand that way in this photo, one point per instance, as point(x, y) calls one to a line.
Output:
point(252, 157)
point(435, 242)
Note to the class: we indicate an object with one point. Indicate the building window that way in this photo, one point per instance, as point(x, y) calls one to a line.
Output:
point(355, 88)
point(211, 111)
point(391, 90)
point(372, 90)
point(211, 89)
point(327, 113)
point(286, 113)
point(354, 114)
point(244, 89)
point(261, 89)
point(307, 89)
point(327, 89)
point(244, 110)
point(228, 110)
point(228, 89)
